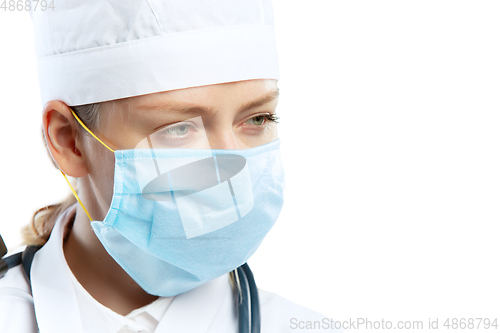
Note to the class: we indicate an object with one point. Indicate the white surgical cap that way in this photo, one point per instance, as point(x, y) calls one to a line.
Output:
point(99, 50)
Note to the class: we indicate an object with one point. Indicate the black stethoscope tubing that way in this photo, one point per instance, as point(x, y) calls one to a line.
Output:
point(252, 304)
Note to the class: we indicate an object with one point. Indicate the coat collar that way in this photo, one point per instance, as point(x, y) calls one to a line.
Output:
point(54, 298)
point(56, 305)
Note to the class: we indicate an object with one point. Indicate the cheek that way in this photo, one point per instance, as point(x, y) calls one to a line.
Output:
point(102, 170)
point(248, 138)
point(107, 179)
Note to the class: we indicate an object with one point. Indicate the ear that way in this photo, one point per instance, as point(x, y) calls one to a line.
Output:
point(61, 134)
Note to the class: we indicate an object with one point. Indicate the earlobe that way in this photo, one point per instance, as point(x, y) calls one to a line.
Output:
point(61, 134)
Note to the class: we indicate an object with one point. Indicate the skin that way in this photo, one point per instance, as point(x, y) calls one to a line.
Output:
point(123, 124)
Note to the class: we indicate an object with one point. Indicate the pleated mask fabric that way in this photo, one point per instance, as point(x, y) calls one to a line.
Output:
point(182, 217)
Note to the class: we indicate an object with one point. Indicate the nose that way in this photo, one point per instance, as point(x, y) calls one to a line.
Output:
point(223, 140)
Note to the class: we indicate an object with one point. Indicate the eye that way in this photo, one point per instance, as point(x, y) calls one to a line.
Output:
point(178, 130)
point(262, 119)
point(259, 120)
point(175, 135)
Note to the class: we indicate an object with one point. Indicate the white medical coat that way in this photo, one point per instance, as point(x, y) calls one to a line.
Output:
point(208, 308)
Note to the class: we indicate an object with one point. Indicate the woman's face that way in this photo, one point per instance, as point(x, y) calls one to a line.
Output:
point(235, 115)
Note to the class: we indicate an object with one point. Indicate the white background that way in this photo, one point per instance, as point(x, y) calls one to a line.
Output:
point(390, 114)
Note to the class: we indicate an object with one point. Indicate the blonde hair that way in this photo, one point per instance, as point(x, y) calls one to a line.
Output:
point(42, 223)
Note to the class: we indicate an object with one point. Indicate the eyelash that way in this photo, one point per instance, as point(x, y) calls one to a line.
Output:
point(273, 118)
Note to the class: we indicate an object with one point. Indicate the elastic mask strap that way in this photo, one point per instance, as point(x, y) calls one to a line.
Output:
point(67, 180)
point(89, 131)
point(76, 196)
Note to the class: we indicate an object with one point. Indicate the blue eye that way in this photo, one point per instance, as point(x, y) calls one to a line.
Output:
point(178, 130)
point(176, 134)
point(185, 134)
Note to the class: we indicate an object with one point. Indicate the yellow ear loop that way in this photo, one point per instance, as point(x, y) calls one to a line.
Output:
point(90, 132)
point(105, 145)
point(76, 196)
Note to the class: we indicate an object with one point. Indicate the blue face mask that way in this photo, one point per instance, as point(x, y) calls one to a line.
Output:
point(182, 217)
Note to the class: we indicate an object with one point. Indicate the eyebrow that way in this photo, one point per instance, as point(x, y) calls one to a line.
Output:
point(174, 106)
